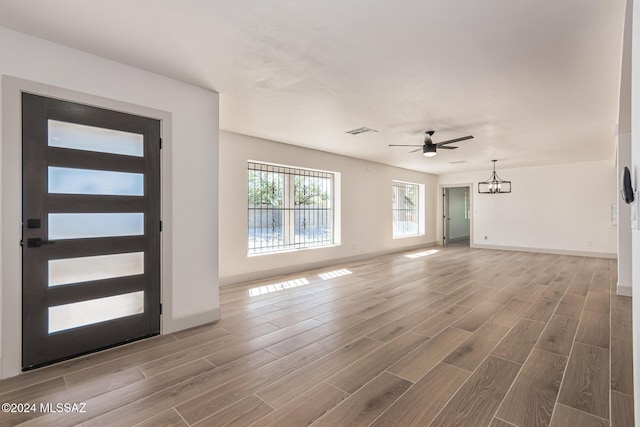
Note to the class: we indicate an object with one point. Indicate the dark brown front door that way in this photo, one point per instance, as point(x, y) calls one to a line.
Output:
point(90, 227)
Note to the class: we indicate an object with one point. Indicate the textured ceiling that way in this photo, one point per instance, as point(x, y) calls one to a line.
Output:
point(536, 82)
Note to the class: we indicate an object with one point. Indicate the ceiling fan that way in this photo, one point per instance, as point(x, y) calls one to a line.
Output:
point(429, 148)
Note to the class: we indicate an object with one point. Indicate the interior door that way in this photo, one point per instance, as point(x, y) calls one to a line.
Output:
point(456, 219)
point(91, 229)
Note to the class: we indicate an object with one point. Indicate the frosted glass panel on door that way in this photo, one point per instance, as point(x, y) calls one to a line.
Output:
point(89, 138)
point(88, 225)
point(74, 315)
point(76, 270)
point(89, 181)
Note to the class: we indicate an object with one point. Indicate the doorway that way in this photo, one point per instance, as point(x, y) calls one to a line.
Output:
point(91, 229)
point(456, 216)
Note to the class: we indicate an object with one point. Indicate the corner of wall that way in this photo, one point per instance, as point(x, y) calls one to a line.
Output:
point(624, 290)
point(191, 321)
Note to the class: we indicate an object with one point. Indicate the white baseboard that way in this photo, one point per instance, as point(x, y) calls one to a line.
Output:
point(612, 255)
point(624, 290)
point(175, 325)
point(266, 274)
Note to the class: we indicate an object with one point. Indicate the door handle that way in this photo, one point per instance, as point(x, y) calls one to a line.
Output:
point(36, 242)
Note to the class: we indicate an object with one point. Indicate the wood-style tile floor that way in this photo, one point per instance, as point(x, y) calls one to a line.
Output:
point(438, 337)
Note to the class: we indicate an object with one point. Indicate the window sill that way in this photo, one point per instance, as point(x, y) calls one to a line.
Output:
point(288, 251)
point(408, 235)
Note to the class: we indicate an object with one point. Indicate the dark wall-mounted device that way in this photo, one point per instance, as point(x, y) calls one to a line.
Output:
point(626, 190)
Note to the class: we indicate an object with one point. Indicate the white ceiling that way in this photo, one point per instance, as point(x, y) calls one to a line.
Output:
point(536, 82)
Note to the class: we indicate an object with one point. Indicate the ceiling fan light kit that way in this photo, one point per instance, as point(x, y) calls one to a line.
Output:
point(494, 184)
point(430, 148)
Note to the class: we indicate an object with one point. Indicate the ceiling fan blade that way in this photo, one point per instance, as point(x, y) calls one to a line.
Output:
point(405, 145)
point(451, 141)
point(417, 149)
point(447, 148)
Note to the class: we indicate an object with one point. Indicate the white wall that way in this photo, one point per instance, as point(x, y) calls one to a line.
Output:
point(190, 176)
point(365, 206)
point(625, 259)
point(560, 208)
point(635, 172)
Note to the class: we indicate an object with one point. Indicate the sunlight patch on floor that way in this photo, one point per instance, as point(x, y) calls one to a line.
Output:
point(335, 273)
point(275, 287)
point(421, 254)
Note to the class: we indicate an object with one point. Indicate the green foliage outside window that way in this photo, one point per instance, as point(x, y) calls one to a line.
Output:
point(267, 188)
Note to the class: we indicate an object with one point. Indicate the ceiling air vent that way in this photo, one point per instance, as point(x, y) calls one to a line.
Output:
point(360, 130)
point(458, 162)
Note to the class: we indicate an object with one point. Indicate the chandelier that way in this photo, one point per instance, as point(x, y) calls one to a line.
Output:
point(494, 184)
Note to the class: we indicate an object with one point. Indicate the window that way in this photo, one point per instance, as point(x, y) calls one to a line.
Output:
point(289, 208)
point(406, 208)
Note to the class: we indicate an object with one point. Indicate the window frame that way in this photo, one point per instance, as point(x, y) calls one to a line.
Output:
point(291, 236)
point(419, 208)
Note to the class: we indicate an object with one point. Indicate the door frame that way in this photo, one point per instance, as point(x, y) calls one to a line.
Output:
point(441, 209)
point(11, 298)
